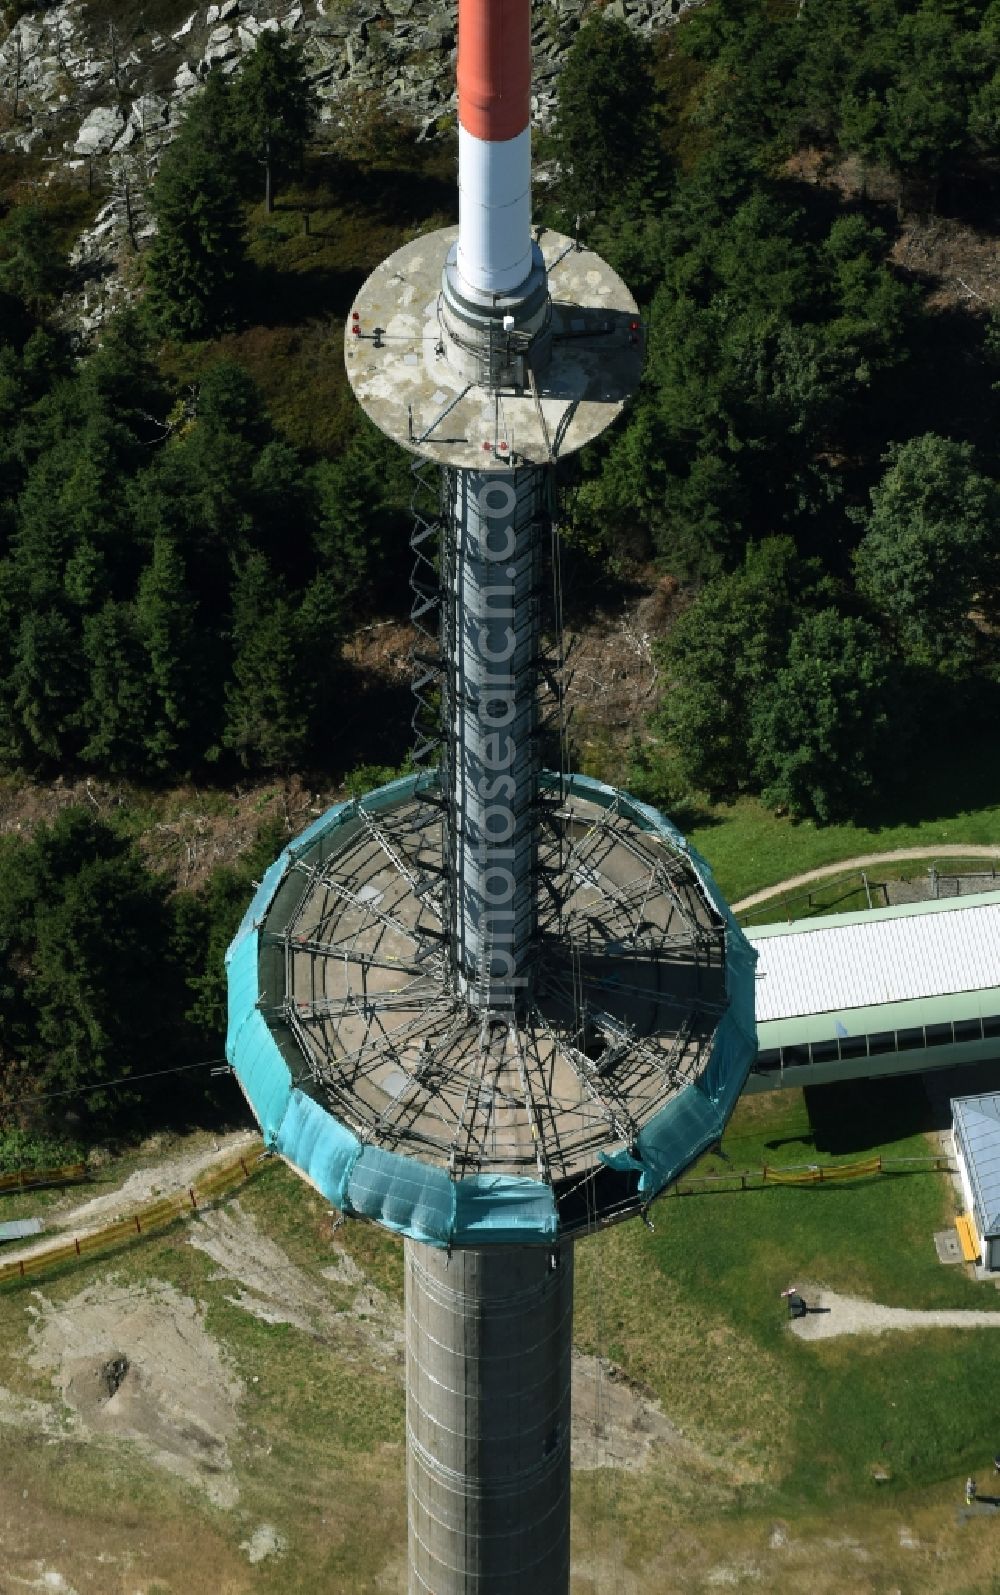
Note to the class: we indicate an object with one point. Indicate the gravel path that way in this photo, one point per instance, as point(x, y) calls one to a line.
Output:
point(852, 1315)
point(861, 861)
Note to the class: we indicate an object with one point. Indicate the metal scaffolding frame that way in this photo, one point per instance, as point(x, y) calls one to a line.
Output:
point(629, 992)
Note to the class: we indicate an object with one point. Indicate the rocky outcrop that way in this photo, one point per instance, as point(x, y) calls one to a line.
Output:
point(87, 98)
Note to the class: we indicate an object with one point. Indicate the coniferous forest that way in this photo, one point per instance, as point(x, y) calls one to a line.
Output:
point(194, 516)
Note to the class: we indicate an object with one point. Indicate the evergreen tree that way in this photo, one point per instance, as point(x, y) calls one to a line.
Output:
point(198, 254)
point(272, 108)
point(46, 684)
point(83, 975)
point(267, 719)
point(180, 680)
point(32, 265)
point(723, 652)
point(605, 128)
point(115, 711)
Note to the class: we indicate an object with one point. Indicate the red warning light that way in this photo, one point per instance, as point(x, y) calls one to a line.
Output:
point(355, 315)
point(355, 328)
point(633, 326)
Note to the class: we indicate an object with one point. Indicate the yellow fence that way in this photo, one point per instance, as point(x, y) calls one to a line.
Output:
point(820, 1175)
point(31, 1179)
point(143, 1221)
point(808, 1174)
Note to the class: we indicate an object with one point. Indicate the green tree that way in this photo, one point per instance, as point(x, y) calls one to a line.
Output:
point(605, 129)
point(829, 728)
point(931, 549)
point(722, 653)
point(198, 253)
point(204, 922)
point(115, 711)
point(906, 100)
point(83, 978)
point(273, 108)
point(32, 264)
point(267, 721)
point(46, 685)
point(177, 662)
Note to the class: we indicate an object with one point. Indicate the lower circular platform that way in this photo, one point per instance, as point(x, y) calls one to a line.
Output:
point(369, 1072)
point(396, 363)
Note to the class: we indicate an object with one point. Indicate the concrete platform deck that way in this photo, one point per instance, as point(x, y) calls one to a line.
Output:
point(406, 386)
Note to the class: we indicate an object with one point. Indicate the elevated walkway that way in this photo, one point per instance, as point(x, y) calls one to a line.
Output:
point(885, 991)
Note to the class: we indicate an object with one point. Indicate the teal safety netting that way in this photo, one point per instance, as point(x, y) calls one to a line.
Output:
point(417, 1199)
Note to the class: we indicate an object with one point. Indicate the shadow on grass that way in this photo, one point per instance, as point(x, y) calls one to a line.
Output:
point(857, 1115)
point(949, 775)
point(404, 196)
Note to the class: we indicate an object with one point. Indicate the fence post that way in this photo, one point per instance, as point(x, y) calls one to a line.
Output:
point(138, 1226)
point(76, 1243)
point(194, 1204)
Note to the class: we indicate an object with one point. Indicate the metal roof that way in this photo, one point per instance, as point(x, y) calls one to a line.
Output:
point(850, 961)
point(977, 1124)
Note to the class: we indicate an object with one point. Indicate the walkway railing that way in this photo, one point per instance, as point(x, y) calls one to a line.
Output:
point(33, 1179)
point(809, 1174)
point(146, 1220)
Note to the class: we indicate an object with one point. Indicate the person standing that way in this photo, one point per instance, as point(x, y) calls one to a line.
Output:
point(970, 1490)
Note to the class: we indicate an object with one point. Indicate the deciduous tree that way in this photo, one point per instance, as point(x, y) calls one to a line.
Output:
point(931, 549)
point(829, 728)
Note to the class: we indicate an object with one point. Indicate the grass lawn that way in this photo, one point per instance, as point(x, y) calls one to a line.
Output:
point(778, 1430)
point(693, 1310)
point(957, 800)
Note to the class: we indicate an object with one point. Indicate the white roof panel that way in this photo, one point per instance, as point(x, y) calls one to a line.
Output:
point(828, 967)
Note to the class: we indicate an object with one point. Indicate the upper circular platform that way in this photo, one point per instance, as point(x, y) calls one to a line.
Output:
point(397, 365)
point(372, 1077)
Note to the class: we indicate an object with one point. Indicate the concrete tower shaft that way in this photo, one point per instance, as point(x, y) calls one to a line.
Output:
point(491, 763)
point(489, 1356)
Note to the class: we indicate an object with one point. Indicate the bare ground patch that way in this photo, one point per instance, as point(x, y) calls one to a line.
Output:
point(346, 1310)
point(137, 1364)
point(962, 259)
point(615, 1424)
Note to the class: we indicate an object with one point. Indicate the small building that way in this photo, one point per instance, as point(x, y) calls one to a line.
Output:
point(976, 1136)
point(884, 991)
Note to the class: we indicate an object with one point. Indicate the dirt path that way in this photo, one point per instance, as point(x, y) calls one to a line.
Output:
point(852, 1315)
point(861, 861)
point(166, 1178)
